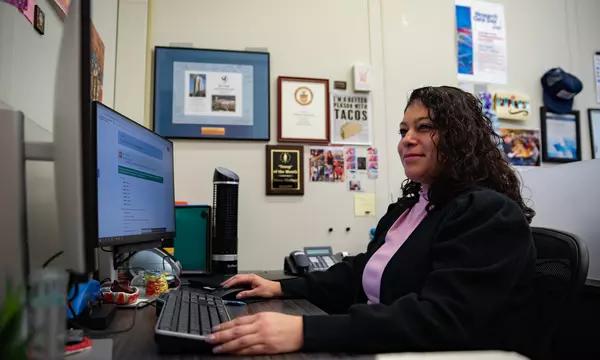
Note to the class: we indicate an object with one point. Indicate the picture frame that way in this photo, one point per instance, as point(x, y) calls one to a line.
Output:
point(285, 170)
point(211, 94)
point(303, 110)
point(561, 140)
point(594, 121)
point(521, 146)
point(39, 20)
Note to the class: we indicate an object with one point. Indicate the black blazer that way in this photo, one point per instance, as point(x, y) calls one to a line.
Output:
point(462, 280)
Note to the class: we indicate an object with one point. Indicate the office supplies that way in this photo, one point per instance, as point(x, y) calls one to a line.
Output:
point(82, 294)
point(187, 319)
point(225, 221)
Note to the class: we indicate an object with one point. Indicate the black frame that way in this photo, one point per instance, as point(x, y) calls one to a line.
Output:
point(165, 126)
point(88, 141)
point(39, 14)
point(592, 140)
point(545, 156)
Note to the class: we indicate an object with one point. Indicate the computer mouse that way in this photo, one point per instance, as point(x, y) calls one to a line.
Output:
point(231, 293)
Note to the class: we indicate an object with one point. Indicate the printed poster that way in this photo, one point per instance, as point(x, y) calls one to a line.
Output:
point(211, 93)
point(351, 118)
point(96, 64)
point(481, 42)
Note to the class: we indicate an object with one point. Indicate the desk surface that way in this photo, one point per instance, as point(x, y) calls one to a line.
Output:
point(138, 343)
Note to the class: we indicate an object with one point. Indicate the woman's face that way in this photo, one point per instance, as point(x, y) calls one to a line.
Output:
point(418, 145)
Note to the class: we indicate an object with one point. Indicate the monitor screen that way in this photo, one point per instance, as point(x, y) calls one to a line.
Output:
point(135, 181)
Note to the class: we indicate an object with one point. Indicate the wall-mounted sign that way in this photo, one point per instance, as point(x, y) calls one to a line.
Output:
point(285, 174)
point(481, 41)
point(511, 106)
point(362, 77)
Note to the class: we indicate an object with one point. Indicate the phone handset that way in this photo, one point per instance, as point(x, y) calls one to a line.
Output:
point(297, 263)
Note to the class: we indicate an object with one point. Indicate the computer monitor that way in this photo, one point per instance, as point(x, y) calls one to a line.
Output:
point(75, 161)
point(134, 182)
point(74, 142)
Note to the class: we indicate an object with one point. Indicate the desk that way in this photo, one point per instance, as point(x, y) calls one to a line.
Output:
point(138, 343)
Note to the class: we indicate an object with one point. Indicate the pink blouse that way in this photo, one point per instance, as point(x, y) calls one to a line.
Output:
point(395, 237)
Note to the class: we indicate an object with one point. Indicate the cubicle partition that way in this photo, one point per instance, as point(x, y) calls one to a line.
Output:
point(567, 197)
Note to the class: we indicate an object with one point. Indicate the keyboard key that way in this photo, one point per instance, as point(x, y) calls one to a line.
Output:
point(175, 317)
point(214, 316)
point(167, 313)
point(194, 316)
point(222, 314)
point(184, 313)
point(204, 320)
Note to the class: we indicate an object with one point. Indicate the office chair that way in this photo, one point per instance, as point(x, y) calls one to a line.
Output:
point(560, 273)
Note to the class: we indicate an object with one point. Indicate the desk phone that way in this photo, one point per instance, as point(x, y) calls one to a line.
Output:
point(312, 258)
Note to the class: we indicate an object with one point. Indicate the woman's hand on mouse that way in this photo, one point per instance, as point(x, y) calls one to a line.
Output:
point(259, 286)
point(262, 333)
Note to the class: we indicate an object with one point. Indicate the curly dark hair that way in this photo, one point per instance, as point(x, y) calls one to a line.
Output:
point(468, 149)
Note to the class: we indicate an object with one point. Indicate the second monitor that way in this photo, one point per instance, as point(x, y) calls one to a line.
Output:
point(135, 182)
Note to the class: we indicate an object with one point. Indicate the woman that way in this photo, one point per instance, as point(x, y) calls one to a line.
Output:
point(451, 265)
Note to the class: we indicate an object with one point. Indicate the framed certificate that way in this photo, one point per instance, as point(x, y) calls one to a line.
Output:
point(594, 118)
point(560, 136)
point(211, 94)
point(303, 110)
point(285, 174)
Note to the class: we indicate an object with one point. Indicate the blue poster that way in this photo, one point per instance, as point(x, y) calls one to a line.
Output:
point(464, 39)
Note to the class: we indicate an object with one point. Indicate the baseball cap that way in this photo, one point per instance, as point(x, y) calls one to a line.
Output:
point(560, 88)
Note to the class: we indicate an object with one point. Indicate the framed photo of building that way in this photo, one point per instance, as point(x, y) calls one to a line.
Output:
point(303, 110)
point(561, 141)
point(211, 94)
point(594, 118)
point(285, 170)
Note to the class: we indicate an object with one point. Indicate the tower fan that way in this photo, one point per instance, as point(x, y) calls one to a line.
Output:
point(225, 221)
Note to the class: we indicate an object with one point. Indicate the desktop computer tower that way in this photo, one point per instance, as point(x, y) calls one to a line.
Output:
point(225, 221)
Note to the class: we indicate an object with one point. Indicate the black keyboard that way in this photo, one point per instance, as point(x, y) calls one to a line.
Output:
point(186, 320)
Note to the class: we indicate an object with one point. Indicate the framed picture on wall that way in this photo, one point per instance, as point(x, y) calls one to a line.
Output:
point(521, 146)
point(561, 141)
point(285, 170)
point(211, 94)
point(594, 118)
point(303, 110)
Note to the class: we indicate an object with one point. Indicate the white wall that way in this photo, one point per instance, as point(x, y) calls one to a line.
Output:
point(320, 39)
point(418, 43)
point(410, 43)
point(28, 64)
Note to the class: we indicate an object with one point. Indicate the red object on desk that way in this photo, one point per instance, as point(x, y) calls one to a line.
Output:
point(181, 202)
point(85, 344)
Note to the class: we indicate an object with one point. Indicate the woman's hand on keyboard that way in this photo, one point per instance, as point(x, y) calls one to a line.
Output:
point(257, 286)
point(262, 333)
